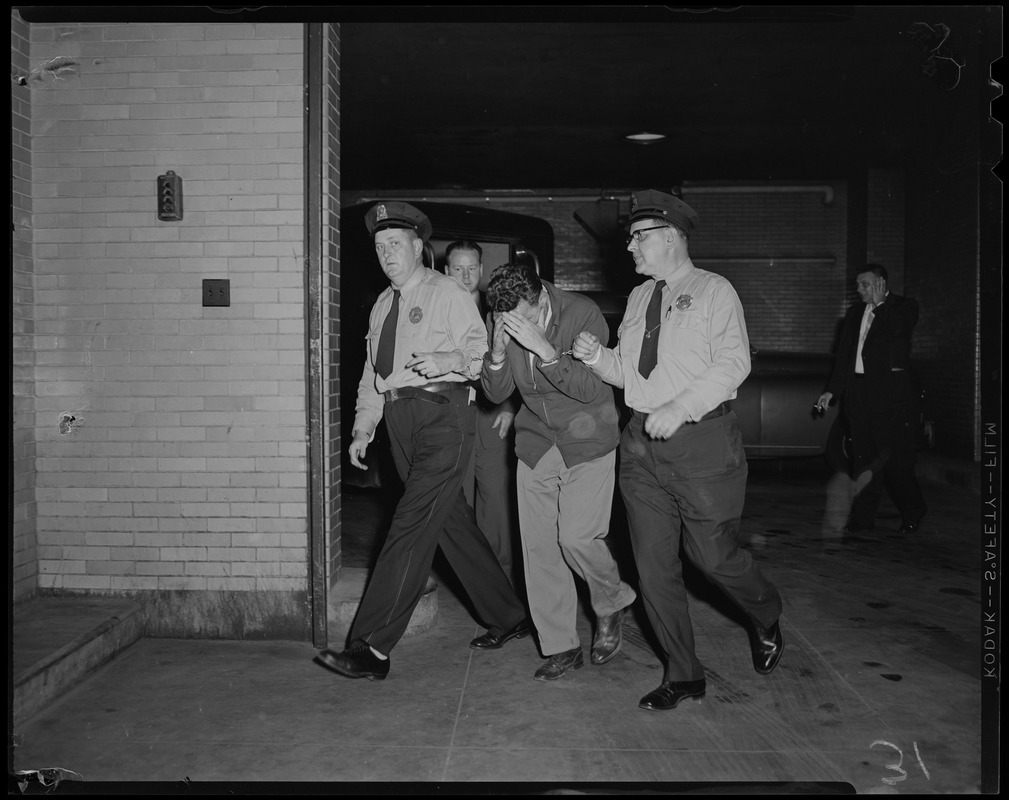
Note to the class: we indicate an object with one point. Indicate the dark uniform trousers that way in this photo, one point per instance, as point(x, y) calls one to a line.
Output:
point(883, 441)
point(431, 445)
point(690, 486)
point(490, 487)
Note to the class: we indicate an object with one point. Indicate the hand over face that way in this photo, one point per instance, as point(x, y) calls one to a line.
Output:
point(499, 338)
point(530, 336)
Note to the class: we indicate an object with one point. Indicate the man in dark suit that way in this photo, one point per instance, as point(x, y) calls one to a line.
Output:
point(879, 394)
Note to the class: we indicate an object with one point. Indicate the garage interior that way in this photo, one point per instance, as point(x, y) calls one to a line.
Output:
point(151, 434)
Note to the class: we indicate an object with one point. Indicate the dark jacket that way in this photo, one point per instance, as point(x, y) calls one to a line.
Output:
point(886, 355)
point(565, 403)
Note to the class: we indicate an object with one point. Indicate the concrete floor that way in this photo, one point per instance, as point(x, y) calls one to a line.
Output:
point(878, 691)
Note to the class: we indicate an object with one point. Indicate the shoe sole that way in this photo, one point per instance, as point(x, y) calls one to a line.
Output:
point(371, 676)
point(695, 697)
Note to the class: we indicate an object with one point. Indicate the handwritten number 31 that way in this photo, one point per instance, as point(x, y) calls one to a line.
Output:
point(900, 760)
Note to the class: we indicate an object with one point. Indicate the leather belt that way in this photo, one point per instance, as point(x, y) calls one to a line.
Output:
point(720, 411)
point(429, 393)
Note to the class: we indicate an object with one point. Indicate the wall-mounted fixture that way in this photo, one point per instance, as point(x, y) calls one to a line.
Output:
point(216, 292)
point(169, 197)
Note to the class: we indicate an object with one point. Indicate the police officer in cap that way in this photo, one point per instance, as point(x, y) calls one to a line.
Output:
point(682, 353)
point(426, 341)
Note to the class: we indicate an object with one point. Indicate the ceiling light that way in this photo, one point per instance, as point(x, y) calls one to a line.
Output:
point(645, 138)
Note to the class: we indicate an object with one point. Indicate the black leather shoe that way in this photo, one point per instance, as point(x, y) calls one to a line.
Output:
point(767, 646)
point(670, 693)
point(856, 527)
point(559, 663)
point(357, 661)
point(492, 641)
point(608, 638)
point(910, 525)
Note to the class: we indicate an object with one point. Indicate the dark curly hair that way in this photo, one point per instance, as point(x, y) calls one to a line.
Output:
point(511, 283)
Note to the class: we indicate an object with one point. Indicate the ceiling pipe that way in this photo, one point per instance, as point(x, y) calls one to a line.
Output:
point(826, 190)
point(687, 189)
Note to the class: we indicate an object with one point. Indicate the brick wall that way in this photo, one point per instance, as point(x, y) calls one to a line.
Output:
point(25, 567)
point(885, 224)
point(331, 260)
point(784, 251)
point(171, 437)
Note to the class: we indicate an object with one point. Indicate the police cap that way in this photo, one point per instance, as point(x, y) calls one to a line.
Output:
point(395, 214)
point(650, 203)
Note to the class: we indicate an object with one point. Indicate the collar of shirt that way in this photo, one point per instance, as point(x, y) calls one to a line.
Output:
point(415, 278)
point(681, 270)
point(546, 309)
point(546, 315)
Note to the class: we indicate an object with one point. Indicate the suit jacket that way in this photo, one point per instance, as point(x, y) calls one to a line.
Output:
point(564, 403)
point(886, 354)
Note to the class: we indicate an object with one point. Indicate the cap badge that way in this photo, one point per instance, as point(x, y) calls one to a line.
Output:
point(416, 314)
point(381, 213)
point(683, 302)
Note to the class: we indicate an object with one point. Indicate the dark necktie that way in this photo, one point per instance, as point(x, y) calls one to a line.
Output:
point(387, 341)
point(650, 344)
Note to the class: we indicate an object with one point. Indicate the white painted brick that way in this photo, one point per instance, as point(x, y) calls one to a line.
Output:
point(160, 568)
point(242, 584)
point(256, 569)
point(189, 583)
point(133, 583)
point(159, 359)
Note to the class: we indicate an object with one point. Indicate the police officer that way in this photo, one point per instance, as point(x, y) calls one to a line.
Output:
point(490, 479)
point(681, 354)
point(425, 341)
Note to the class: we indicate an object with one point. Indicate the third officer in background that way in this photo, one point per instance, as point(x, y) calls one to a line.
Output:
point(490, 480)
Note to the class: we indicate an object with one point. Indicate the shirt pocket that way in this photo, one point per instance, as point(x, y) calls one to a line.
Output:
point(688, 320)
point(419, 323)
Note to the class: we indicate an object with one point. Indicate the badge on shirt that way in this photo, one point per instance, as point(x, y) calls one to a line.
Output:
point(683, 302)
point(416, 315)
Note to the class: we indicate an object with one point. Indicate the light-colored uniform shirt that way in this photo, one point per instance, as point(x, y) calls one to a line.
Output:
point(436, 314)
point(704, 352)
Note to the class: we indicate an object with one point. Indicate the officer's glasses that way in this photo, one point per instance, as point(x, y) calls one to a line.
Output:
point(639, 234)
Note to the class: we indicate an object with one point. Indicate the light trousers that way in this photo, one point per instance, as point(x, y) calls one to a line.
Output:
point(564, 516)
